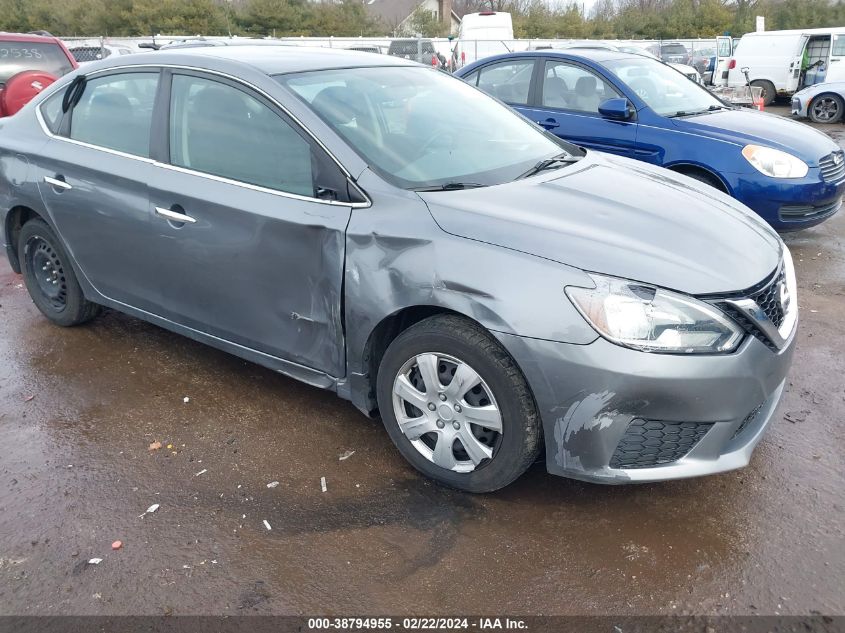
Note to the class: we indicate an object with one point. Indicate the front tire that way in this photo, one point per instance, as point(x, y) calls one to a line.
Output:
point(49, 277)
point(456, 405)
point(826, 108)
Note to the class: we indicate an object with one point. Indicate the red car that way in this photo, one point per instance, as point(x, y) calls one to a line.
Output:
point(28, 64)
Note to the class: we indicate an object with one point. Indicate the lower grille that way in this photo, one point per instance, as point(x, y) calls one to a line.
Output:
point(833, 166)
point(649, 443)
point(809, 212)
point(748, 420)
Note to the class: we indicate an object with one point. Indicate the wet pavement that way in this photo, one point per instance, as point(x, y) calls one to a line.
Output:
point(80, 407)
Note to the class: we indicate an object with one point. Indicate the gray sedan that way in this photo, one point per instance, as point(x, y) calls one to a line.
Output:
point(387, 232)
point(821, 103)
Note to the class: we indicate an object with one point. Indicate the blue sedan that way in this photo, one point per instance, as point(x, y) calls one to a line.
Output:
point(626, 104)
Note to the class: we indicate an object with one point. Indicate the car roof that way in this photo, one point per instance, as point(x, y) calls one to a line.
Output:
point(276, 60)
point(27, 37)
point(575, 52)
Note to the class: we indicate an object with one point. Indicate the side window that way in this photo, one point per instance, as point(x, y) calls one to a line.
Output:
point(509, 81)
point(116, 112)
point(472, 78)
point(570, 87)
point(208, 120)
point(51, 111)
point(838, 46)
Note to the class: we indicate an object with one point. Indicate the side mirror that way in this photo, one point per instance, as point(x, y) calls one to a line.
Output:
point(617, 109)
point(151, 45)
point(744, 70)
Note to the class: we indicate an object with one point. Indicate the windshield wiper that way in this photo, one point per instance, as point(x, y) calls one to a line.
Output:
point(550, 163)
point(451, 186)
point(711, 108)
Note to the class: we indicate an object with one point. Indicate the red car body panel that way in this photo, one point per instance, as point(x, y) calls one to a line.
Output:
point(7, 100)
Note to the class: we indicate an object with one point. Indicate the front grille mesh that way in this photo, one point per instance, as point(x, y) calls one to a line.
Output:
point(748, 325)
point(649, 443)
point(831, 171)
point(769, 299)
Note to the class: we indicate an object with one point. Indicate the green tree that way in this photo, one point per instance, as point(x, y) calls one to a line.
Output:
point(273, 17)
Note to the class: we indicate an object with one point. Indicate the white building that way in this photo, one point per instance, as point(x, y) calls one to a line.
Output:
point(396, 14)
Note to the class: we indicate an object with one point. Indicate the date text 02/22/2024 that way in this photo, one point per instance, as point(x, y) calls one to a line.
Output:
point(417, 624)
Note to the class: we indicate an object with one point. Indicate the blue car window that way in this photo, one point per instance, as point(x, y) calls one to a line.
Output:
point(509, 81)
point(839, 46)
point(570, 87)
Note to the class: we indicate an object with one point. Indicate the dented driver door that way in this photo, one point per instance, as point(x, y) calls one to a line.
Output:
point(244, 248)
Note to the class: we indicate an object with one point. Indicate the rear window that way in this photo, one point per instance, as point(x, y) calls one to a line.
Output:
point(16, 57)
point(674, 49)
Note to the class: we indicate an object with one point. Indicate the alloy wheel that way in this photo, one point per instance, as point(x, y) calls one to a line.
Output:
point(447, 412)
point(826, 109)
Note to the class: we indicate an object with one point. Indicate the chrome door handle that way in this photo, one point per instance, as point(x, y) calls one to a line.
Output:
point(174, 216)
point(55, 182)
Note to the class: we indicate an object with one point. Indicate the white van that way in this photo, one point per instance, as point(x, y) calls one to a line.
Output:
point(718, 68)
point(784, 62)
point(481, 35)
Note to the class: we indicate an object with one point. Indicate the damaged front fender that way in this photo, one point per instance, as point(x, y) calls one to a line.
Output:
point(398, 258)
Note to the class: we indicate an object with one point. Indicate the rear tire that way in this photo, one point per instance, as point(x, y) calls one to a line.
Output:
point(769, 93)
point(475, 438)
point(49, 277)
point(826, 108)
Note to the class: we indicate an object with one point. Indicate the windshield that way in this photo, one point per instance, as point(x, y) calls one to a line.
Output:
point(420, 128)
point(664, 89)
point(16, 57)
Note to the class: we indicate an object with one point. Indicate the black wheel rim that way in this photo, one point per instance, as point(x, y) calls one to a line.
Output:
point(47, 270)
point(825, 109)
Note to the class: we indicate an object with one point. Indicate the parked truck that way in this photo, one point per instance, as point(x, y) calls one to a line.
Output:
point(783, 62)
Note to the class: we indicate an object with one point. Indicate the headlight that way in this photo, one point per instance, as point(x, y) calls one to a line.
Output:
point(774, 162)
point(651, 319)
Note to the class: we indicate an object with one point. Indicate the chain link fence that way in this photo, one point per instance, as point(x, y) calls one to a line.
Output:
point(441, 52)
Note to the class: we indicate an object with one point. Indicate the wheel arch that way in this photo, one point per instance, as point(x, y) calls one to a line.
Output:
point(380, 338)
point(688, 168)
point(15, 219)
point(826, 93)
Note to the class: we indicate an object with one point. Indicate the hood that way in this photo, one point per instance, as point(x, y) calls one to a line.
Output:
point(760, 128)
point(619, 217)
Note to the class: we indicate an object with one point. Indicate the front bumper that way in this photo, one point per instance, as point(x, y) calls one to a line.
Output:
point(799, 106)
point(695, 415)
point(776, 200)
